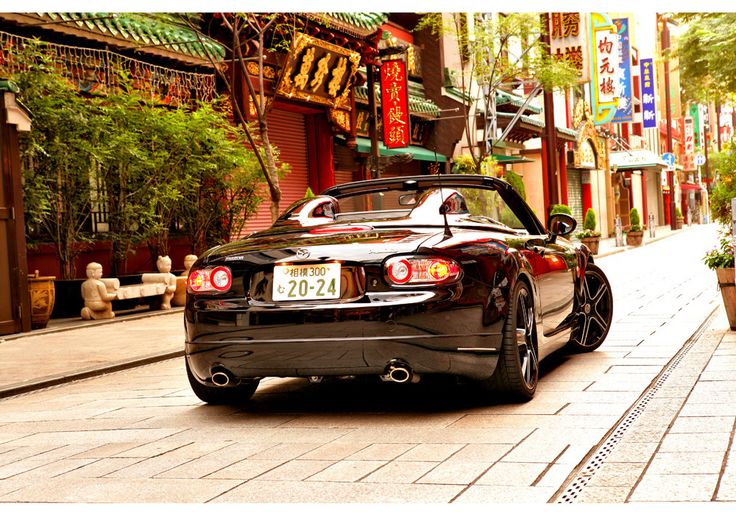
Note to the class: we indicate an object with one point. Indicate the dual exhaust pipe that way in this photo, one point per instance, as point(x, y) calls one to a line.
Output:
point(396, 371)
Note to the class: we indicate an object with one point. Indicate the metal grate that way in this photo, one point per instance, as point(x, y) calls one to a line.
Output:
point(575, 487)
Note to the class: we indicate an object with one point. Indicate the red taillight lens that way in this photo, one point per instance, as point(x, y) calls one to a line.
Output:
point(399, 271)
point(219, 278)
point(421, 270)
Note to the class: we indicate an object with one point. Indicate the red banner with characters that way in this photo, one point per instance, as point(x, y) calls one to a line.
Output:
point(395, 104)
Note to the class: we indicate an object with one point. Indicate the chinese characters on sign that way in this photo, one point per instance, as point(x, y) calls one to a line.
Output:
point(395, 104)
point(567, 41)
point(605, 58)
point(689, 136)
point(648, 104)
point(624, 110)
point(319, 72)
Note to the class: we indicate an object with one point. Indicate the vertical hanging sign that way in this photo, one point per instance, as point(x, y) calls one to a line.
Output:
point(624, 110)
point(567, 32)
point(648, 103)
point(395, 104)
point(604, 59)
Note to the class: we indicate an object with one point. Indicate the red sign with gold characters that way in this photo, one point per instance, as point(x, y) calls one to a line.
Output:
point(395, 104)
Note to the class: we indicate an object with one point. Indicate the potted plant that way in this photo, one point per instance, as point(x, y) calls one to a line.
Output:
point(635, 233)
point(679, 219)
point(721, 260)
point(589, 236)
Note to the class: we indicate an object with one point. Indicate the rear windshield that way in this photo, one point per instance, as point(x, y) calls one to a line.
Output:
point(461, 205)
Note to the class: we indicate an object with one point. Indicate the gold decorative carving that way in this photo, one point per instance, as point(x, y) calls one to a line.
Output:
point(341, 119)
point(318, 72)
point(587, 139)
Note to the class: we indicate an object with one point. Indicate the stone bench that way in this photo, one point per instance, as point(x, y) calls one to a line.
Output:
point(99, 293)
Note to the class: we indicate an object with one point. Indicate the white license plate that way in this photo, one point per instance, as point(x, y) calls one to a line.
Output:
point(306, 282)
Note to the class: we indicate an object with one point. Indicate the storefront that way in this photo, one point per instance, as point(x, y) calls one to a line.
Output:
point(637, 180)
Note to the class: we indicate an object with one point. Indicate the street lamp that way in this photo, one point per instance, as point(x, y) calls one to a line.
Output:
point(665, 18)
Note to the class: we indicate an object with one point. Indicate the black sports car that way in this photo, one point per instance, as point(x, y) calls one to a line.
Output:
point(397, 278)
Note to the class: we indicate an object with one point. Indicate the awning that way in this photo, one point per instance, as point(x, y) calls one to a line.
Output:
point(504, 160)
point(363, 145)
point(684, 186)
point(637, 159)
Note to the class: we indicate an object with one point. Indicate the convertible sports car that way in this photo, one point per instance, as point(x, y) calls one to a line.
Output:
point(396, 278)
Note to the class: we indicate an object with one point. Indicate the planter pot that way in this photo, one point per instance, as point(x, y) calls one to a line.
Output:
point(591, 243)
point(43, 295)
point(678, 222)
point(634, 238)
point(728, 293)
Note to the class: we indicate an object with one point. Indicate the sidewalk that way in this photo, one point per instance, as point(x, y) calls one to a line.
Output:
point(69, 349)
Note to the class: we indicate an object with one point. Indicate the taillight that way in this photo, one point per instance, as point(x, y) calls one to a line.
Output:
point(219, 278)
point(421, 270)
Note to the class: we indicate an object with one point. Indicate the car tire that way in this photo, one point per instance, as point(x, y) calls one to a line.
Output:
point(517, 370)
point(594, 312)
point(238, 394)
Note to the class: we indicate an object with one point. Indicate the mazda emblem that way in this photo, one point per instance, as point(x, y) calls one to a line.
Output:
point(302, 253)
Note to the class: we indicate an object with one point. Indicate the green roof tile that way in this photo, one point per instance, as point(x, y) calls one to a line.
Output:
point(146, 29)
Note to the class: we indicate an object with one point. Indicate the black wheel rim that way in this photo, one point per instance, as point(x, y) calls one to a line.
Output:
point(595, 310)
point(524, 340)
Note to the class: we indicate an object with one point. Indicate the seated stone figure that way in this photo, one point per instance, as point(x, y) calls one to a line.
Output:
point(180, 296)
point(97, 298)
point(164, 276)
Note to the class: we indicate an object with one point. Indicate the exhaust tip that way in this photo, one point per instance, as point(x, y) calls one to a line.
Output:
point(220, 378)
point(398, 372)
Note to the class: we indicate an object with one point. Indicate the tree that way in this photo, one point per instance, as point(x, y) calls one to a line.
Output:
point(249, 38)
point(498, 52)
point(706, 58)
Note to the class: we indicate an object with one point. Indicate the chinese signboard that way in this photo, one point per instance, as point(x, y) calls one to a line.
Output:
point(395, 104)
point(648, 103)
point(319, 72)
point(697, 128)
point(604, 58)
point(567, 41)
point(689, 136)
point(624, 110)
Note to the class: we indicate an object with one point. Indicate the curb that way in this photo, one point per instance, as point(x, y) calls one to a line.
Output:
point(55, 380)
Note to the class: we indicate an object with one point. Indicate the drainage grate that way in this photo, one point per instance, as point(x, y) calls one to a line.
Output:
point(586, 473)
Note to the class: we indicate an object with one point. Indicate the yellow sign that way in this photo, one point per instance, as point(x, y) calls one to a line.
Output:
point(319, 72)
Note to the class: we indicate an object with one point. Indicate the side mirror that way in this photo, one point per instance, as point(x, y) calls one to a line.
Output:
point(561, 224)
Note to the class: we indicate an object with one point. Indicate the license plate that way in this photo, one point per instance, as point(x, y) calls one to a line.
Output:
point(306, 282)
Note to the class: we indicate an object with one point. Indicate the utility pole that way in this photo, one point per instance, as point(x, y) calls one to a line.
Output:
point(549, 127)
point(668, 112)
point(373, 160)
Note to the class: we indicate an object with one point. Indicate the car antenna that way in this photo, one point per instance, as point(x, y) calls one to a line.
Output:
point(443, 208)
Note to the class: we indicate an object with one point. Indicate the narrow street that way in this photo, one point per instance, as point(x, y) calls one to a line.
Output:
point(141, 435)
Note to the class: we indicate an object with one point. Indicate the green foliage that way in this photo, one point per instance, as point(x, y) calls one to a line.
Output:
point(516, 182)
point(678, 213)
point(464, 164)
point(721, 256)
point(705, 54)
point(560, 208)
point(589, 225)
point(723, 164)
point(634, 220)
point(150, 168)
point(309, 193)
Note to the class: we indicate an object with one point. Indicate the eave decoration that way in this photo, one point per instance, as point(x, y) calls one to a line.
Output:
point(588, 140)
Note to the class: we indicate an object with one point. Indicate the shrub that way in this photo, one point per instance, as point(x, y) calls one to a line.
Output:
point(589, 226)
point(635, 221)
point(560, 208)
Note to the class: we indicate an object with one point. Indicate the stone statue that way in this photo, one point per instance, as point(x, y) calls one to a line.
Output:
point(189, 260)
point(180, 296)
point(164, 276)
point(97, 297)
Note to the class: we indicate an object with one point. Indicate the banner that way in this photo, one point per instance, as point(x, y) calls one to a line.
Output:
point(648, 102)
point(604, 58)
point(395, 104)
point(567, 41)
point(624, 108)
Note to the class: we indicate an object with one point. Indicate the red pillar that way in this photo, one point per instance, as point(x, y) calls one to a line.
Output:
point(587, 194)
point(562, 152)
point(545, 184)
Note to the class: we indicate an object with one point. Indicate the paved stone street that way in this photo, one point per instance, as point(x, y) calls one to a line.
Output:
point(648, 417)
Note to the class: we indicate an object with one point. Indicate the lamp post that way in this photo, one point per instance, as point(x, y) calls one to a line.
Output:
point(668, 112)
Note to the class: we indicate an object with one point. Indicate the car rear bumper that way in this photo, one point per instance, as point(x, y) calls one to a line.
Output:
point(352, 341)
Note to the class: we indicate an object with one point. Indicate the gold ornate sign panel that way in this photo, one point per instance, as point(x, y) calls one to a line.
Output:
point(319, 72)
